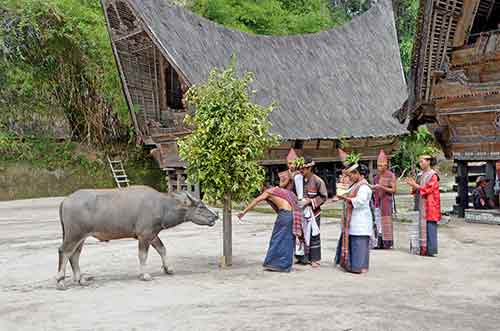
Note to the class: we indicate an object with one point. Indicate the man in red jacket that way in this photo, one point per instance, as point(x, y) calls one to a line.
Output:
point(424, 240)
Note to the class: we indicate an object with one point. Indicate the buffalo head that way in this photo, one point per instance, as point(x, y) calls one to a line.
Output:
point(198, 212)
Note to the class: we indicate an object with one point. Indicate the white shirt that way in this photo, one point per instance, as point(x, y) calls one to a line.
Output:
point(361, 220)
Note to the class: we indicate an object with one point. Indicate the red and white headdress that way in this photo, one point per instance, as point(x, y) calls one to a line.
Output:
point(342, 155)
point(292, 156)
point(382, 158)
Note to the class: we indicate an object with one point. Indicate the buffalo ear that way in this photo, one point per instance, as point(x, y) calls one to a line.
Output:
point(191, 199)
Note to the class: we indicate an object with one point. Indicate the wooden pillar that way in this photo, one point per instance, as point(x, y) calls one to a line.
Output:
point(179, 177)
point(491, 174)
point(371, 169)
point(162, 86)
point(462, 181)
point(167, 179)
point(272, 175)
point(335, 179)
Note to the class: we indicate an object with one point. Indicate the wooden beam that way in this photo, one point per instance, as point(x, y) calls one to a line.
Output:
point(371, 169)
point(465, 22)
point(129, 35)
point(178, 173)
point(156, 86)
point(154, 38)
point(491, 174)
point(431, 49)
point(163, 96)
point(490, 11)
point(462, 186)
point(125, 90)
point(445, 42)
point(133, 53)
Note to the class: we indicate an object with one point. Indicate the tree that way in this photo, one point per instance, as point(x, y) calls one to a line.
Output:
point(412, 146)
point(55, 56)
point(406, 12)
point(230, 134)
point(284, 17)
point(272, 17)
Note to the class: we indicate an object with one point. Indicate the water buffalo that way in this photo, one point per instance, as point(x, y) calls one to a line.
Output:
point(138, 212)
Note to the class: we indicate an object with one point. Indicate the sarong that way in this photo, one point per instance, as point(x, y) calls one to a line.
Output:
point(432, 238)
point(418, 229)
point(281, 246)
point(359, 253)
point(384, 230)
point(343, 248)
point(383, 203)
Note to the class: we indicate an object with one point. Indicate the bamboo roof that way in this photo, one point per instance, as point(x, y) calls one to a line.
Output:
point(344, 82)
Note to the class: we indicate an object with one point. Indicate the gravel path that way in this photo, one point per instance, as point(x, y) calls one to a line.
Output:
point(459, 290)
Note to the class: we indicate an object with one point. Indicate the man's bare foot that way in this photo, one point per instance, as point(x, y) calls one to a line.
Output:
point(364, 271)
point(315, 264)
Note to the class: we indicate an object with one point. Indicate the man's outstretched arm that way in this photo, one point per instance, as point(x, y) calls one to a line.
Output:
point(254, 203)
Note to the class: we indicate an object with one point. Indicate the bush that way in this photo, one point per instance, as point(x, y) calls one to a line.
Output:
point(412, 146)
point(55, 57)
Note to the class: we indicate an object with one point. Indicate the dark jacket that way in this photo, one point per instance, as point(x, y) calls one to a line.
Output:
point(478, 194)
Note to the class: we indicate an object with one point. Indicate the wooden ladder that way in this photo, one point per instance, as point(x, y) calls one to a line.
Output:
point(119, 174)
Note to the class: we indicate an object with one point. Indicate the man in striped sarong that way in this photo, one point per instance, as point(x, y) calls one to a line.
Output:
point(287, 227)
point(312, 194)
point(384, 189)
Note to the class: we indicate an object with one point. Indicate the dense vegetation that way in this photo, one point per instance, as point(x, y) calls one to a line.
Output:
point(411, 147)
point(58, 80)
point(282, 17)
point(231, 135)
point(272, 17)
point(57, 69)
point(56, 62)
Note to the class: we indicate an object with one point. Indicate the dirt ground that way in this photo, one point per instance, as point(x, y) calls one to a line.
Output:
point(458, 290)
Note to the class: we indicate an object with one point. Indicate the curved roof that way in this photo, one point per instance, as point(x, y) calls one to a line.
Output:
point(344, 82)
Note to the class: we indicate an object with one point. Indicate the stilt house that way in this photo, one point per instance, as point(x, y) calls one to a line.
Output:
point(344, 83)
point(455, 86)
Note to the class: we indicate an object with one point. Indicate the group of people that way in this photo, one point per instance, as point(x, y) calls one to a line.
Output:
point(366, 214)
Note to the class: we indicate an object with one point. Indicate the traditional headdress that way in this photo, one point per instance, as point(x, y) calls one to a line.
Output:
point(308, 162)
point(382, 158)
point(291, 155)
point(352, 161)
point(352, 167)
point(342, 154)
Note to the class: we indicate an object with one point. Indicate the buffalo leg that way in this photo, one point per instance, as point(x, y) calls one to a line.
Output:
point(74, 260)
point(143, 256)
point(65, 251)
point(162, 251)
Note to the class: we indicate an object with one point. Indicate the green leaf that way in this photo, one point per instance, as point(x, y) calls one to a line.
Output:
point(229, 135)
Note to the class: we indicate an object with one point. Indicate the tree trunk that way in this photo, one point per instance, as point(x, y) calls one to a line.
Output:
point(227, 231)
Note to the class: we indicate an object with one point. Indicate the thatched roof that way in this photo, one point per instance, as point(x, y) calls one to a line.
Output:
point(345, 82)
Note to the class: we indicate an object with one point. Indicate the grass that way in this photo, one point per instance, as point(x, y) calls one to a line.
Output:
point(40, 167)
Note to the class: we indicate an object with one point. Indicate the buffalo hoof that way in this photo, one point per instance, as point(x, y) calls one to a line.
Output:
point(61, 285)
point(85, 281)
point(167, 271)
point(145, 277)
